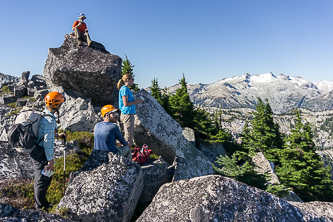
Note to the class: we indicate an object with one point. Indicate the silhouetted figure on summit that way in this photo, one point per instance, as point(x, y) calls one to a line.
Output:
point(80, 29)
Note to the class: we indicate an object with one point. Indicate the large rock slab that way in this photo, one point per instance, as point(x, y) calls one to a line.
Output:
point(14, 164)
point(164, 136)
point(217, 198)
point(107, 188)
point(10, 213)
point(86, 71)
point(155, 174)
point(263, 166)
point(77, 113)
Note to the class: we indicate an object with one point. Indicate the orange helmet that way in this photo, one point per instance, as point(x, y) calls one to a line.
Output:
point(107, 108)
point(54, 99)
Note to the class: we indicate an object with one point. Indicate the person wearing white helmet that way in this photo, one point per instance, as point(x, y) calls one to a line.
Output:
point(81, 31)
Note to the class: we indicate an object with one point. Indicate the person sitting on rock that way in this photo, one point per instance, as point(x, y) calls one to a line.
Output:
point(80, 29)
point(106, 133)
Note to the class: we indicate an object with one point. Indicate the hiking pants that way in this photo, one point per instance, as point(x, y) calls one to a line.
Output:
point(124, 151)
point(82, 36)
point(128, 124)
point(42, 182)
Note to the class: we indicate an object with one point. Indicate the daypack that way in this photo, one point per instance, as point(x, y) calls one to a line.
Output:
point(142, 155)
point(22, 135)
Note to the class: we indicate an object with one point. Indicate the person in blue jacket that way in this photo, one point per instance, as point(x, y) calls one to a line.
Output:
point(106, 133)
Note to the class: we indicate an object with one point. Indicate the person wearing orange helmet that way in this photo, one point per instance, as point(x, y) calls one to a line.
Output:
point(106, 133)
point(43, 155)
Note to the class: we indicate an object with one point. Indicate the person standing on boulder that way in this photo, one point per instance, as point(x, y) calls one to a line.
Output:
point(43, 155)
point(80, 29)
point(127, 106)
point(106, 133)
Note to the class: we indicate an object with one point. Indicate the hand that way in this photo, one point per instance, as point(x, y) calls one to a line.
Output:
point(50, 165)
point(62, 135)
point(139, 101)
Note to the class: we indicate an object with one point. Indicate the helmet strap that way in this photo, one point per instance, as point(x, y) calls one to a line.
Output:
point(58, 121)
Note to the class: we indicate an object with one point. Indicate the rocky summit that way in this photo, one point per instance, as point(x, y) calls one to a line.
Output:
point(85, 71)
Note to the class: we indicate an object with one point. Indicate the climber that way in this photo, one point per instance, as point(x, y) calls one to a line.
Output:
point(106, 133)
point(43, 155)
point(127, 106)
point(80, 29)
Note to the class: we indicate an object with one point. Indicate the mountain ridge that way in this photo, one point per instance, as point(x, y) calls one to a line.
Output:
point(283, 92)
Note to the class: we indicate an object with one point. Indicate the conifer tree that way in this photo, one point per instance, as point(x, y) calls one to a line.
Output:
point(301, 168)
point(264, 135)
point(127, 67)
point(160, 95)
point(155, 90)
point(181, 105)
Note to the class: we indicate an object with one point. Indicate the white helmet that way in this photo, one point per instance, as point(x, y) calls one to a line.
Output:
point(82, 15)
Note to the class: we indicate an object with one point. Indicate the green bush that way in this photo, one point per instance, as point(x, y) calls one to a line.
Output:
point(12, 105)
point(18, 193)
point(74, 161)
point(14, 112)
point(5, 90)
point(278, 189)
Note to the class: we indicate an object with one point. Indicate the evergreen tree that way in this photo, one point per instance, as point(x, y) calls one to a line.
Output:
point(264, 135)
point(160, 95)
point(155, 90)
point(301, 168)
point(244, 173)
point(181, 105)
point(127, 67)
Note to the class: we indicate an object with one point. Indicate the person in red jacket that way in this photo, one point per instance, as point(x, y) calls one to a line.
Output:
point(80, 29)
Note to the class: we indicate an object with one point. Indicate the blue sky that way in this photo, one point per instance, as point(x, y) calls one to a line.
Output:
point(206, 40)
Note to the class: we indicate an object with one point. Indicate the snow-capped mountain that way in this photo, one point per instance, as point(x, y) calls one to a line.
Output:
point(283, 92)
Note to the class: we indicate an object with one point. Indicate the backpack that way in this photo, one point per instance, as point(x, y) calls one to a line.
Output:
point(22, 135)
point(142, 155)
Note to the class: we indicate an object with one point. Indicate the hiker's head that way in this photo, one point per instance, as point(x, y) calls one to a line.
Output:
point(82, 16)
point(54, 100)
point(127, 79)
point(109, 113)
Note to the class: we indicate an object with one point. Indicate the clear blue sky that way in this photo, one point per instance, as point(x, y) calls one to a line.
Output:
point(207, 40)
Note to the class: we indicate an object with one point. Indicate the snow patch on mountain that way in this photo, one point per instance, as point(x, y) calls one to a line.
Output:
point(325, 86)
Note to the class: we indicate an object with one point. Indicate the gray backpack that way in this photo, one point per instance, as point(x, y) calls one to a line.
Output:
point(22, 135)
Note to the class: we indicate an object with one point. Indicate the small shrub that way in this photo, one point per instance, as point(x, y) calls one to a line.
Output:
point(30, 98)
point(14, 112)
point(18, 193)
point(278, 189)
point(74, 161)
point(5, 90)
point(12, 105)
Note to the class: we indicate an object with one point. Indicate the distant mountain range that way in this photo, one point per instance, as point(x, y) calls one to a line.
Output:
point(283, 92)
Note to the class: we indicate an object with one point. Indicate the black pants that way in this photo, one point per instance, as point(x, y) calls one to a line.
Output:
point(42, 182)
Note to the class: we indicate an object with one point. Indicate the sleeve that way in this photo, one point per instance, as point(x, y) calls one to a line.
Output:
point(49, 127)
point(124, 91)
point(120, 137)
point(75, 23)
